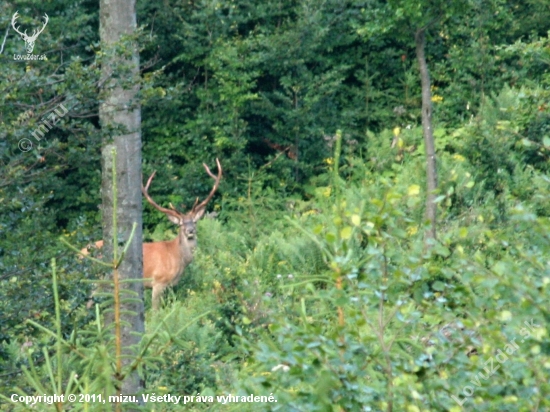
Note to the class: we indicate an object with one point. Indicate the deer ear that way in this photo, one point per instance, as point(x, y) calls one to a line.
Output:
point(198, 214)
point(174, 219)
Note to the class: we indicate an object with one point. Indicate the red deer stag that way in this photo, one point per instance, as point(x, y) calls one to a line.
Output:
point(164, 262)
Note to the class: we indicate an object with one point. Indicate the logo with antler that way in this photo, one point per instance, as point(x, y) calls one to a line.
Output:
point(29, 40)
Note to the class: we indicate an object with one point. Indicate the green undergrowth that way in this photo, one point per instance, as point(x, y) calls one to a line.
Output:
point(336, 302)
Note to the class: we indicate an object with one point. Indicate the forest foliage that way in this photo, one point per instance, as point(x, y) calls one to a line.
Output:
point(313, 283)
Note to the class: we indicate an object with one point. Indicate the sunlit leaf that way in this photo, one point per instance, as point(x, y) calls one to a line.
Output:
point(346, 232)
point(413, 190)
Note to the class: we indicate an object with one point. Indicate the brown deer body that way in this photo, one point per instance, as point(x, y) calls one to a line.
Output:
point(164, 262)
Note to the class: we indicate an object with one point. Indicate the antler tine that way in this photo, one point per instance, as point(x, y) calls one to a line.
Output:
point(144, 190)
point(13, 20)
point(212, 174)
point(195, 204)
point(46, 20)
point(214, 188)
point(36, 32)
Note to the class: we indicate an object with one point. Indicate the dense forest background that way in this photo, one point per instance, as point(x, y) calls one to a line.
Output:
point(313, 282)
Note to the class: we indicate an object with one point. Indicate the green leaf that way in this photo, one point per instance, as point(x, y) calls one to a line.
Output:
point(413, 190)
point(346, 232)
point(438, 285)
point(442, 250)
point(505, 315)
point(500, 268)
point(330, 237)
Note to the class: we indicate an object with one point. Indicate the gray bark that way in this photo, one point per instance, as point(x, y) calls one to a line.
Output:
point(431, 170)
point(120, 116)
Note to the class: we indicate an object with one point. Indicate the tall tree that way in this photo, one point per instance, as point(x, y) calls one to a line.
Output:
point(120, 116)
point(412, 19)
point(427, 128)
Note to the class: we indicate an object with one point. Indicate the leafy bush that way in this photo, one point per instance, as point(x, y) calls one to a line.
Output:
point(396, 325)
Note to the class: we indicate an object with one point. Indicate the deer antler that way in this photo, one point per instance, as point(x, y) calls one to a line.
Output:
point(13, 20)
point(217, 179)
point(35, 32)
point(46, 19)
point(172, 211)
point(197, 206)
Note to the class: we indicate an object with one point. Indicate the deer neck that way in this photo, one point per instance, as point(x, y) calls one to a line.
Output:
point(186, 247)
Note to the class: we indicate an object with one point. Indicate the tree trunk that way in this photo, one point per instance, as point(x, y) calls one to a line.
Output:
point(431, 170)
point(120, 116)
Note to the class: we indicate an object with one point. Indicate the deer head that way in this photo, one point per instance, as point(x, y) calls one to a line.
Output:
point(186, 221)
point(29, 40)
